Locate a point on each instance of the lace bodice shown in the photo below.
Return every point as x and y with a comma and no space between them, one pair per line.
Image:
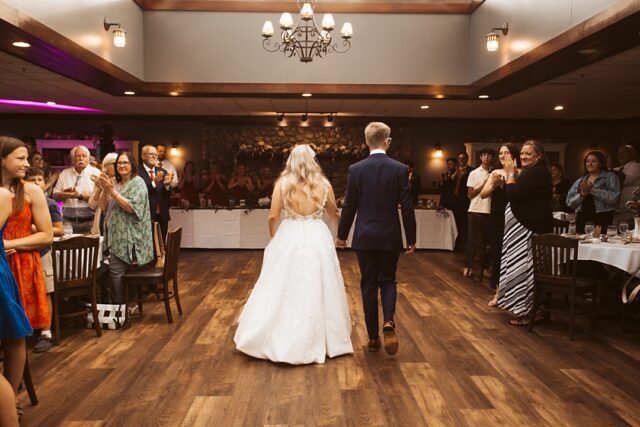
291,214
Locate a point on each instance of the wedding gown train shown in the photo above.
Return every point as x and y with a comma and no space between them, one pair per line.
297,312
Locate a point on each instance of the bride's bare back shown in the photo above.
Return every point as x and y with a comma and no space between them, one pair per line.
302,205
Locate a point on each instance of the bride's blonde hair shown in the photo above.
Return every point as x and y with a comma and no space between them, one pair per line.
302,173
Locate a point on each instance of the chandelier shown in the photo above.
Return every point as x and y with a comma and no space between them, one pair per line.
305,39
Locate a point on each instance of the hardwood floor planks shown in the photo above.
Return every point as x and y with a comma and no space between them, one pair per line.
460,363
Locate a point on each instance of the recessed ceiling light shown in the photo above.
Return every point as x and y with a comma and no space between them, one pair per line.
587,51
21,44
306,95
129,92
439,96
173,93
483,96
424,107
558,108
51,103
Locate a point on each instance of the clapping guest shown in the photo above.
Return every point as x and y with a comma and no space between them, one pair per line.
595,195
528,212
240,184
447,184
188,185
129,228
265,182
158,182
74,188
561,186
216,189
495,188
109,168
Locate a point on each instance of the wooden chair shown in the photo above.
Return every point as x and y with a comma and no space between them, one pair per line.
560,226
75,262
555,263
159,277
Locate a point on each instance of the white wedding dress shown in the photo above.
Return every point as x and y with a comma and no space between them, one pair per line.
297,312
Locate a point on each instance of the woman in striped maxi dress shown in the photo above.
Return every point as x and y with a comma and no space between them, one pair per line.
528,212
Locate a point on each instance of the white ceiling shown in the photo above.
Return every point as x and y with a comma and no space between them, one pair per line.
609,89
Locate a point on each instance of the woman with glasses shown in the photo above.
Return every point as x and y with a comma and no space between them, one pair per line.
129,236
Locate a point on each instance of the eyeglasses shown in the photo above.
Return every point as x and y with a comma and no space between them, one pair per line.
152,155
123,163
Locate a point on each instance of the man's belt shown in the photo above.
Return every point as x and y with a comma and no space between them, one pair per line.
78,219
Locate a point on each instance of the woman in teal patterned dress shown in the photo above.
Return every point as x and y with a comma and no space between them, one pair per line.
129,236
14,325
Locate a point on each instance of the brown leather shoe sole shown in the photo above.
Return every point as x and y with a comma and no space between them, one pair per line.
390,340
374,345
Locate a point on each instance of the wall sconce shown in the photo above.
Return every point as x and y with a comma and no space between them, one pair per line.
304,117
438,153
119,34
330,118
493,42
174,149
280,117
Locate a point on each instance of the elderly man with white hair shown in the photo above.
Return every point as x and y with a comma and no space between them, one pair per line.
74,187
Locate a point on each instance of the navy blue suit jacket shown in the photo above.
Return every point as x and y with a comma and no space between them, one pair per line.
158,196
375,187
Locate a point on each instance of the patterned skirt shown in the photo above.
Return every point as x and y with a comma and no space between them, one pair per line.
515,289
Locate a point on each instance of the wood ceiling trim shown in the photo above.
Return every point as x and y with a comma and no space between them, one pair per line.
55,52
612,31
275,90
328,6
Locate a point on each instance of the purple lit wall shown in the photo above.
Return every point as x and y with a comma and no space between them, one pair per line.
45,106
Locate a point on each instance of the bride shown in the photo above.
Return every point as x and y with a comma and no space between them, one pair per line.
297,312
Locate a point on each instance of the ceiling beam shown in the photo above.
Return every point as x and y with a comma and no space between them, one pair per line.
399,7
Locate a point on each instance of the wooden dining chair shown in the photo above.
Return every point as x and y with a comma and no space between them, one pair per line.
555,263
159,278
560,226
75,262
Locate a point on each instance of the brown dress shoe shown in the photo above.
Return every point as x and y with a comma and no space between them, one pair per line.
390,339
374,345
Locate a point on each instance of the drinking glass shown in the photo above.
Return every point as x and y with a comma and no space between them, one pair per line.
232,203
588,228
624,227
612,231
572,228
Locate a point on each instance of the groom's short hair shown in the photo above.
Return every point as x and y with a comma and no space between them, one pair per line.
376,133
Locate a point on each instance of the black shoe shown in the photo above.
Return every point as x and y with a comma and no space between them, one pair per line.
44,343
374,345
390,339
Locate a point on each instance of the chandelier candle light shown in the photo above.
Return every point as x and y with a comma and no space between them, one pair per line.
305,39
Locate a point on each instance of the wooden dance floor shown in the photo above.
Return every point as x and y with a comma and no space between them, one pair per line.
459,364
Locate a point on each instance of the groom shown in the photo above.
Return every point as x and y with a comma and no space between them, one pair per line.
375,187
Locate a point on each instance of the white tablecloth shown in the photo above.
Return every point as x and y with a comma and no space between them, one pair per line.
240,229
624,257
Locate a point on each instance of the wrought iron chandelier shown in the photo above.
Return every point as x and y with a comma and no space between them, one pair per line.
305,39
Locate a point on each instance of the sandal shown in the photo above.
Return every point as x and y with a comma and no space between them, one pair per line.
519,321
493,302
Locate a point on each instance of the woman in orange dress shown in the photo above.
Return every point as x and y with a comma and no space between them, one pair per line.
29,207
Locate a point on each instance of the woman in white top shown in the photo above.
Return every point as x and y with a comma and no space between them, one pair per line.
297,312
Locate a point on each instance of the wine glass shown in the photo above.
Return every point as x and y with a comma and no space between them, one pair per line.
624,227
612,232
588,228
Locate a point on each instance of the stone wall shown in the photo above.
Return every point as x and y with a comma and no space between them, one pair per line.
256,146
